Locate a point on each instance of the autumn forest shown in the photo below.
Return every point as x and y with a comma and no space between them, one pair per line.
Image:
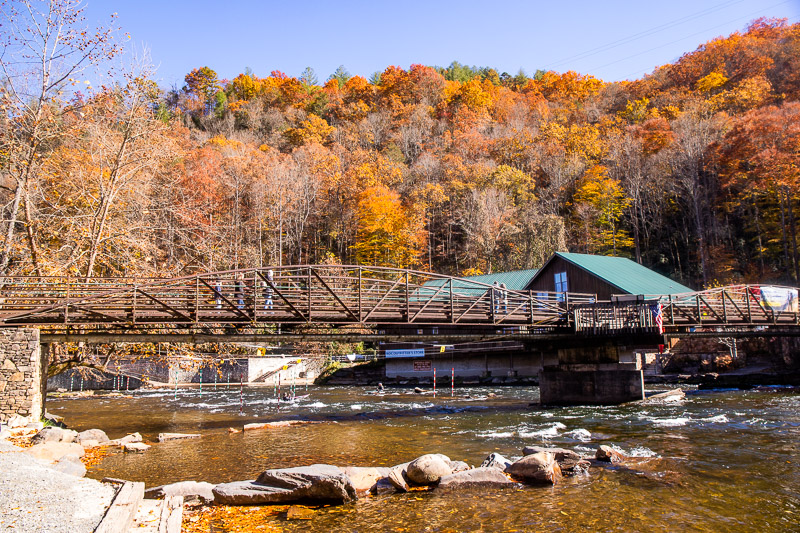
693,170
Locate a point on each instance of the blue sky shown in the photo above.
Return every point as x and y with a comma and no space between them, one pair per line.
611,39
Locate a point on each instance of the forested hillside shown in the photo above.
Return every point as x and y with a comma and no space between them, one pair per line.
692,170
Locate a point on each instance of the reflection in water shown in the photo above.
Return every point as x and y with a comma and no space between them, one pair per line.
716,461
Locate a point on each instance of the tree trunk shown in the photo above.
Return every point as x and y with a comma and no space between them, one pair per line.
793,230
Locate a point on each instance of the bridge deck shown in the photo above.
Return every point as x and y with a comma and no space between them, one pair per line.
372,296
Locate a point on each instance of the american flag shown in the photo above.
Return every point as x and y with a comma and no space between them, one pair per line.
658,314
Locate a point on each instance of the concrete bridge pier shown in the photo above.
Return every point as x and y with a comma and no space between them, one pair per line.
591,375
23,373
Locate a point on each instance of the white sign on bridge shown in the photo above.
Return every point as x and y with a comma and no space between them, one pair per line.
414,352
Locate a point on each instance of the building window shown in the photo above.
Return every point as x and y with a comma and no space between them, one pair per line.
561,282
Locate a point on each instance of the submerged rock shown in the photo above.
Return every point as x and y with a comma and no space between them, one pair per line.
295,512
495,460
483,477
164,437
536,468
315,483
609,455
429,469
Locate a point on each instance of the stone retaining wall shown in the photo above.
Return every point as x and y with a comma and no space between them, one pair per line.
20,373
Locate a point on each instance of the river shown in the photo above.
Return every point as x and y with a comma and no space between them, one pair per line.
714,461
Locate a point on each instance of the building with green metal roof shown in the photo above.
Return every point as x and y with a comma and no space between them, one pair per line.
602,275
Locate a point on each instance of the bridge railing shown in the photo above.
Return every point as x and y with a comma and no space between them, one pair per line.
615,317
733,304
327,294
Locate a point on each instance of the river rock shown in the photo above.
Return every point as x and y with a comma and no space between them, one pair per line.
92,434
457,466
164,437
127,439
428,469
608,454
484,477
70,464
53,451
315,483
49,434
364,478
383,487
190,490
54,420
398,476
495,460
560,454
536,468
136,447
18,421
296,512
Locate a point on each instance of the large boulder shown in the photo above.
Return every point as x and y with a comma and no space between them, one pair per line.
53,451
483,477
569,461
536,468
315,483
54,434
560,454
190,490
364,478
608,454
429,469
70,464
92,434
495,460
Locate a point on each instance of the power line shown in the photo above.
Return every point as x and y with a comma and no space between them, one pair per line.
645,33
686,37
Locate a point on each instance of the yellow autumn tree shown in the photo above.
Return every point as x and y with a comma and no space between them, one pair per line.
599,203
388,233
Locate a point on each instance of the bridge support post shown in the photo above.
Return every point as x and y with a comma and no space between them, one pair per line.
22,374
605,375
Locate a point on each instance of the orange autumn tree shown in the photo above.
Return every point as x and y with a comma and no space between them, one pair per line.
389,234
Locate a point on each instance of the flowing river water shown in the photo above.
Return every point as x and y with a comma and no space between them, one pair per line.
714,461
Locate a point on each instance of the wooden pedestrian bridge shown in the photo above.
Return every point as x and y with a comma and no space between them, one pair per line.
327,297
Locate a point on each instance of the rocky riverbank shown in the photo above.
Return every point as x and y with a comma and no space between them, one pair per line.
55,453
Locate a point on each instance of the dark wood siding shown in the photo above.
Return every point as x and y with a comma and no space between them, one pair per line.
578,280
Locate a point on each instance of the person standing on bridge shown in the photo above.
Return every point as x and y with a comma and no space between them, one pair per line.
495,297
504,297
218,292
238,288
268,292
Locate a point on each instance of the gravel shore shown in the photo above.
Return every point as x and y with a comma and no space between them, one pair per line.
36,498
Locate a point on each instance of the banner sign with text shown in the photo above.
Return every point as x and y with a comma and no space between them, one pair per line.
414,352
779,299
